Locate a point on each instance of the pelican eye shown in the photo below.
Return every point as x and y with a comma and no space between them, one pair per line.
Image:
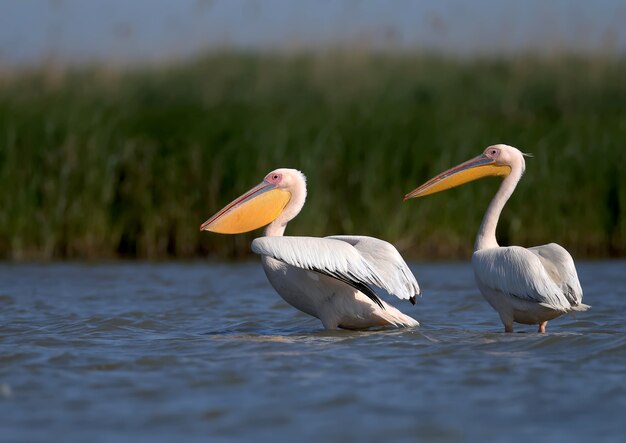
275,178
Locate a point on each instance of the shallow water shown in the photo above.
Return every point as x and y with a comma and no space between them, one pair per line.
208,352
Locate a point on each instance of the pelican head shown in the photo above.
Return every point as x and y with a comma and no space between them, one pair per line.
262,204
496,160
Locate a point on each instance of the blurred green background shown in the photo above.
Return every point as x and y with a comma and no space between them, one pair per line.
101,161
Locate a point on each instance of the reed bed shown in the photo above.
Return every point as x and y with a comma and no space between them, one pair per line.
102,162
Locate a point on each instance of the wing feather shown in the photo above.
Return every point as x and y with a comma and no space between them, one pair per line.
518,272
362,262
389,266
561,269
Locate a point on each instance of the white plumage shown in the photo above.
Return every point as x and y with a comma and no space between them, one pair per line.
524,285
355,260
544,275
332,278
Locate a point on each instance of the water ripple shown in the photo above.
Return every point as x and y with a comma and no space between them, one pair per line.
137,352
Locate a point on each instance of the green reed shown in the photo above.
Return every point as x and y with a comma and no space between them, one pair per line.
100,162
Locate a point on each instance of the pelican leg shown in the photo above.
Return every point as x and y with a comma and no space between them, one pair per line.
542,327
330,324
507,321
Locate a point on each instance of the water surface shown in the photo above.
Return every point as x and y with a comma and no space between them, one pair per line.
208,352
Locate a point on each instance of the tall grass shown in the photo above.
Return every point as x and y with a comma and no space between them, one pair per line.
104,163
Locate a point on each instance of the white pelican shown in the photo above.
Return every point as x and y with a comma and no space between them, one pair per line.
330,278
529,286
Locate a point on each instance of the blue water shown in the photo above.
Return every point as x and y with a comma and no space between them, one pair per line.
208,352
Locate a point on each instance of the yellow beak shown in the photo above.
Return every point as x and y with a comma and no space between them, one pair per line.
257,207
478,167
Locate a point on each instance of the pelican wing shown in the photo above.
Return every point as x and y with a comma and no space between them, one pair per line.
395,276
353,260
520,273
560,267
